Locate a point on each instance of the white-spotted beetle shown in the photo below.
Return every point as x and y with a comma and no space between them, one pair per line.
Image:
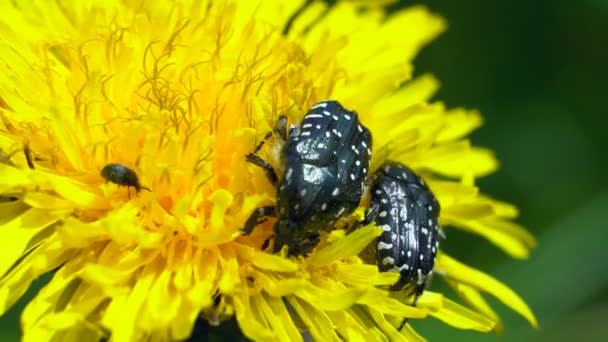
408,212
326,160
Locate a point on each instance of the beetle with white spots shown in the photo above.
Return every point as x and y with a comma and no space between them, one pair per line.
326,157
408,213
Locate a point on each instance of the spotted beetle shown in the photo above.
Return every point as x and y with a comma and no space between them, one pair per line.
408,212
325,162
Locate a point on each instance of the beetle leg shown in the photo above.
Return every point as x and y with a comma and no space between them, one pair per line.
268,170
253,220
281,127
371,213
419,290
267,242
261,143
306,246
294,130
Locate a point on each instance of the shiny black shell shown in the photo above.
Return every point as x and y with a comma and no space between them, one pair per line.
121,175
326,163
408,212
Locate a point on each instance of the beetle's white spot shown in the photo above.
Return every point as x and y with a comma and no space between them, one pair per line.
421,257
323,206
424,231
318,126
364,144
404,267
306,133
335,192
360,128
387,169
288,174
393,237
357,163
335,117
388,261
326,113
420,277
369,152
303,193
352,176
307,125
343,161
297,206
430,208
364,170
341,211
382,214
320,104
383,245
335,131
378,192
409,254
327,134
313,116
321,145
434,250
347,117
384,200
386,227
404,175
430,222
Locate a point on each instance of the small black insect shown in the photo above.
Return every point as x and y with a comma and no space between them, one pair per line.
122,175
326,160
408,212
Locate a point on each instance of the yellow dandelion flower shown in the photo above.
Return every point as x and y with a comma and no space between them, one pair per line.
167,97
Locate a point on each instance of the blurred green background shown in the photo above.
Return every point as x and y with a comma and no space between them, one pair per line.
538,71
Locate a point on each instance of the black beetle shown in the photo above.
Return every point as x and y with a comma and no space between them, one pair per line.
122,175
325,161
408,212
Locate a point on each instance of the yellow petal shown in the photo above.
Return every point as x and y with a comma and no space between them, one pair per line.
508,236
21,231
361,274
457,159
454,314
316,321
382,303
230,277
457,271
270,262
277,317
44,258
475,300
248,322
413,92
352,244
459,123
388,328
